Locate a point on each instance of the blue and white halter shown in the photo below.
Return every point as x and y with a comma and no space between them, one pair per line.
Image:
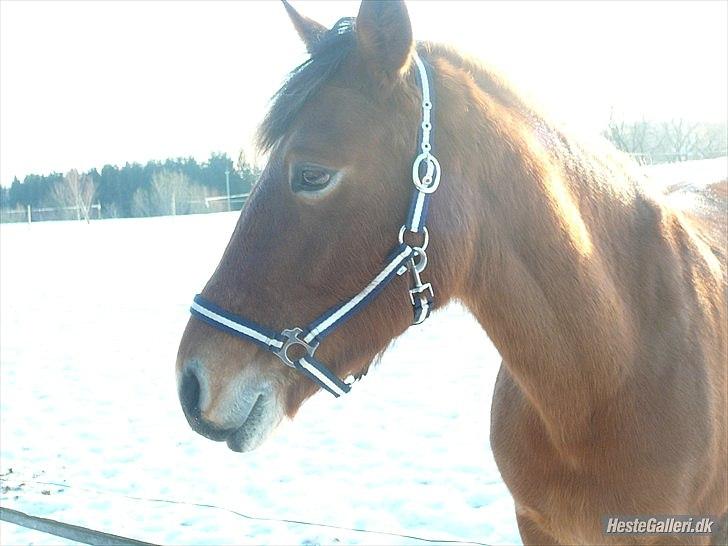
403,258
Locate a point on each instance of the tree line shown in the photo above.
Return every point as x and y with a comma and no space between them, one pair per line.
173,186
184,185
668,141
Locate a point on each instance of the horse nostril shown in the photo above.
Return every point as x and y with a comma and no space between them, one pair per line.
189,394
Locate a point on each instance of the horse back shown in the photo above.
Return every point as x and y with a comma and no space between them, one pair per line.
706,208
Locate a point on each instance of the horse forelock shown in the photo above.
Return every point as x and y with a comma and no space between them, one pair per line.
305,80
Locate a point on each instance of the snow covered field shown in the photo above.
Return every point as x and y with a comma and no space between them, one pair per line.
91,316
91,432
696,173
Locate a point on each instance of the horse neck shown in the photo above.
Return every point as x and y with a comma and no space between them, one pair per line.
540,278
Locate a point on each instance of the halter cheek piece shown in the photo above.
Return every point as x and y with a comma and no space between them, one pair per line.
403,258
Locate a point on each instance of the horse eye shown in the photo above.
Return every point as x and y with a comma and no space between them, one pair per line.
311,179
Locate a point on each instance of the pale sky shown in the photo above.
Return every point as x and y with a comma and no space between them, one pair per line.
83,84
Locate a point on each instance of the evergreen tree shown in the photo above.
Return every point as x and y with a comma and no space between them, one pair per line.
117,186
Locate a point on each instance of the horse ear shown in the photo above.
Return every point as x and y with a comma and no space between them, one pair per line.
309,30
384,35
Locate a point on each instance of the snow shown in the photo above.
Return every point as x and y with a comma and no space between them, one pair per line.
697,173
680,180
90,319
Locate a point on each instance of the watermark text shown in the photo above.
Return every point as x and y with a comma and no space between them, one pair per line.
658,525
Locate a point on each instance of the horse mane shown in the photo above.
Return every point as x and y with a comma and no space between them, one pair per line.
484,76
576,154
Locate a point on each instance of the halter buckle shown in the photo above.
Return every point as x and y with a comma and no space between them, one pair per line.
293,337
417,290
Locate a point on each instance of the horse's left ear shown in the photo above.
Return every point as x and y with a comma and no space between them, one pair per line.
309,30
384,35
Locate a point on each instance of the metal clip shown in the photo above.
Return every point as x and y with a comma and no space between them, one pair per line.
418,287
292,336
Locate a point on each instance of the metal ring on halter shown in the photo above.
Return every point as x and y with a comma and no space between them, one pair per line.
424,243
422,264
427,184
292,339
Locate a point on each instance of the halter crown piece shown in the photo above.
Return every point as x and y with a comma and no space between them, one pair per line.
403,258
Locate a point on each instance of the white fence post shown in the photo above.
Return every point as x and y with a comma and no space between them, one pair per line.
30,219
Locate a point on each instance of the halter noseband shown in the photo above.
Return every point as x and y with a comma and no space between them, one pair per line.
402,258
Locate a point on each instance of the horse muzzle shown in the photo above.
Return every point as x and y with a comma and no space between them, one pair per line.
242,413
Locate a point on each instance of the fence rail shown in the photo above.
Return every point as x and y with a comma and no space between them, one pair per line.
29,214
242,197
95,537
80,534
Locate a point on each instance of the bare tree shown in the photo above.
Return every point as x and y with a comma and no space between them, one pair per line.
245,170
241,165
170,193
712,140
681,138
677,139
76,192
635,138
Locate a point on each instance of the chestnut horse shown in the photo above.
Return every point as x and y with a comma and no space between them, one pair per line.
607,307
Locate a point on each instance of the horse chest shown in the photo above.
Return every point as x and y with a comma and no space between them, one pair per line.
542,490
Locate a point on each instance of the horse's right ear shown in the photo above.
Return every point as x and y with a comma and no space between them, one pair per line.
384,35
309,30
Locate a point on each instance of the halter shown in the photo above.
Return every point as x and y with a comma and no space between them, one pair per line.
402,258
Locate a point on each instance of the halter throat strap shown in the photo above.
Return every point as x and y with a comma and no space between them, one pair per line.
402,259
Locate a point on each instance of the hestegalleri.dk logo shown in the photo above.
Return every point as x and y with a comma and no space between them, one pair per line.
658,525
